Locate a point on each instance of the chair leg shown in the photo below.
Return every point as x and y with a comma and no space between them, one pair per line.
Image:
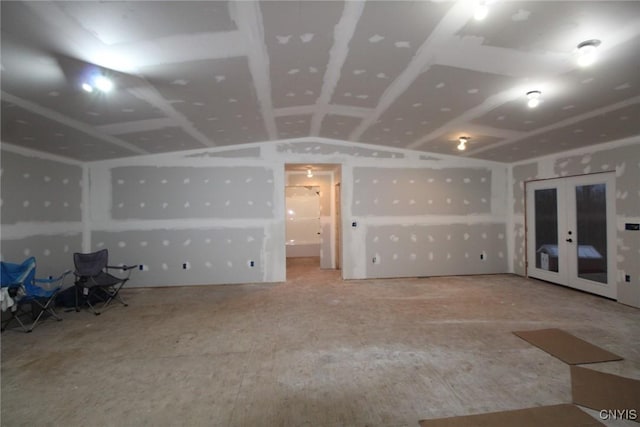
46,307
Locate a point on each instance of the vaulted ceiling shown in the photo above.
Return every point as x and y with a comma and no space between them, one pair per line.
403,74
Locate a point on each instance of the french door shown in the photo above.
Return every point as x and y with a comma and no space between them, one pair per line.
571,232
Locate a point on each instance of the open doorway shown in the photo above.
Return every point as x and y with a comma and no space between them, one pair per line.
311,214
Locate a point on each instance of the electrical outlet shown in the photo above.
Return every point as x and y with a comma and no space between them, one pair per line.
627,278
251,264
374,260
354,224
186,265
482,256
141,267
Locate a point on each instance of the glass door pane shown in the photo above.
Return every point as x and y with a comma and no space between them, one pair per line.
546,226
591,221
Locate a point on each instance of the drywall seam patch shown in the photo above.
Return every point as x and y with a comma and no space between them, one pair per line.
560,124
456,18
343,32
249,20
72,123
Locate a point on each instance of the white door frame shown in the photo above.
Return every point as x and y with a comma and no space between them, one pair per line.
567,222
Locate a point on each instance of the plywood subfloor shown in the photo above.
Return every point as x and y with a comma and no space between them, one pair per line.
313,351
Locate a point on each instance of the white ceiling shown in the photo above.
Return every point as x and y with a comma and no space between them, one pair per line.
414,74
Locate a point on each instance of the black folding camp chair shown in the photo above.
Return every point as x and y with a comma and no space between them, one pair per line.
94,284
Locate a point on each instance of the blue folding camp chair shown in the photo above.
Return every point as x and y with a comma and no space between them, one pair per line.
21,288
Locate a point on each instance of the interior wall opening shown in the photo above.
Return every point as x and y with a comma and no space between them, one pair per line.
312,219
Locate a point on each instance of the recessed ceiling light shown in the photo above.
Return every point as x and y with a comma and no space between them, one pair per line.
463,143
103,84
587,52
481,11
97,82
534,98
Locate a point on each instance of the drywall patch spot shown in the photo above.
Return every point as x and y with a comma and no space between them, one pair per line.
376,38
623,86
121,244
144,243
46,252
306,37
520,15
165,266
402,44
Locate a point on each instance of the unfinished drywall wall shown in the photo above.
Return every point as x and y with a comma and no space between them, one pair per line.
190,256
53,252
435,250
316,148
41,209
170,192
421,191
623,158
217,215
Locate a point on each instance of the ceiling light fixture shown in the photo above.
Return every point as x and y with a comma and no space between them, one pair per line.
534,98
99,82
463,143
309,173
587,52
103,84
481,11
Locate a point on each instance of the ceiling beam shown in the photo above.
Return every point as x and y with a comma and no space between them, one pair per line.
456,18
342,35
489,104
68,121
136,126
558,125
249,19
152,96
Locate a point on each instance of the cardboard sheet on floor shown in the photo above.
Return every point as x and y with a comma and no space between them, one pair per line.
564,415
599,390
566,347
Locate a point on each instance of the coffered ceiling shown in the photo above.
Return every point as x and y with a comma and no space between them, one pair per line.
403,74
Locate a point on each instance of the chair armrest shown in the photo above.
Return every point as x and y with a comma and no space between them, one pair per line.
123,267
53,279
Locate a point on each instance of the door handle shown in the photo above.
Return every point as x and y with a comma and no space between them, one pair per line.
570,240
